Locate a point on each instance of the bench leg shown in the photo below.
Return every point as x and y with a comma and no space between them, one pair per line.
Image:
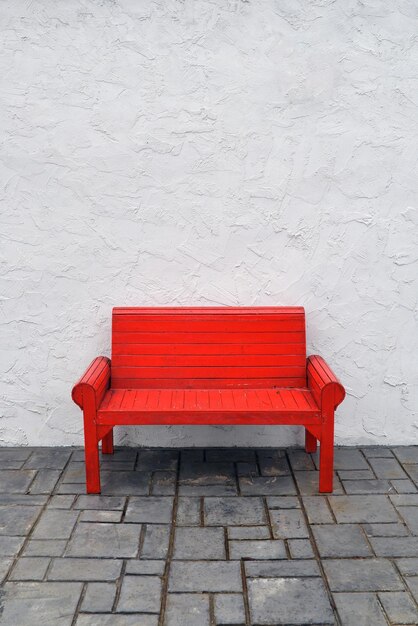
107,443
91,449
310,441
326,460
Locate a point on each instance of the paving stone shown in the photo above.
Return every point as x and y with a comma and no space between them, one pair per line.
48,458
377,452
399,607
100,516
125,483
52,603
207,490
247,469
366,474
367,486
404,486
207,474
70,488
199,543
362,575
5,565
104,540
308,483
413,472
413,586
15,481
267,485
317,510
10,464
188,512
229,610
74,473
271,466
192,455
359,609
362,509
15,454
406,454
345,459
18,520
288,524
163,483
395,546
234,511
99,597
385,530
205,576
190,609
405,500
156,541
45,481
283,502
248,532
17,499
289,601
157,460
232,455
387,468
45,547
102,619
140,594
30,568
282,569
84,569
150,510
55,524
345,540
61,502
300,549
410,516
10,546
408,566
104,503
300,460
147,568
246,549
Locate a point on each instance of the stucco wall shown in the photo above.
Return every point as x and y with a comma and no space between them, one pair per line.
209,152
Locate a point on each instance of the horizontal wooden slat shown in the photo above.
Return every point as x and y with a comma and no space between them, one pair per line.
208,372
218,310
201,360
219,337
136,323
208,349
207,383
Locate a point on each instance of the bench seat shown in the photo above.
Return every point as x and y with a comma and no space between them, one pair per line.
208,406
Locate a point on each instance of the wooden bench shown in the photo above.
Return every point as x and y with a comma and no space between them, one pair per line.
223,365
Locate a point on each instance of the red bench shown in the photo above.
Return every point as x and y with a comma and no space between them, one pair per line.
223,365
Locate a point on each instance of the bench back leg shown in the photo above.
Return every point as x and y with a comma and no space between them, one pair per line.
310,441
107,443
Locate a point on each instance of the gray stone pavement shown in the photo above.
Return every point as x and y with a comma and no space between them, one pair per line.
210,537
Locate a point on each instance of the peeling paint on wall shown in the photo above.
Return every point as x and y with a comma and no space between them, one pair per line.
205,153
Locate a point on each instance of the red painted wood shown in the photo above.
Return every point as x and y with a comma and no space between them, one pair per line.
211,365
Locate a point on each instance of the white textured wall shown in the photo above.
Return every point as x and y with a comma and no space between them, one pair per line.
209,152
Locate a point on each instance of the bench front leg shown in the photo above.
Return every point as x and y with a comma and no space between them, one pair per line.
328,393
88,393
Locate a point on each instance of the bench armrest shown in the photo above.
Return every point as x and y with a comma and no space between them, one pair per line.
95,380
321,378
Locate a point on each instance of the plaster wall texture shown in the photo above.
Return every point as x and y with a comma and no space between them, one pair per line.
209,153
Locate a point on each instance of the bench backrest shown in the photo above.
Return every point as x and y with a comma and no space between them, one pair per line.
211,347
